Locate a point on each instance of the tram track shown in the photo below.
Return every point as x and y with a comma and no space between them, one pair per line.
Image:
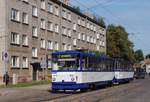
108,94
101,94
55,98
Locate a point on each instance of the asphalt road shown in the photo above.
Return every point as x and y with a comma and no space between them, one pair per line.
136,91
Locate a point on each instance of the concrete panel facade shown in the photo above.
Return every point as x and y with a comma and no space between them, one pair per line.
7,26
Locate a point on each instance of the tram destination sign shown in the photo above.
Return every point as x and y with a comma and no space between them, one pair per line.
65,56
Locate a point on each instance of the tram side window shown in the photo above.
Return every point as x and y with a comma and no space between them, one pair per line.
109,65
91,63
112,65
126,66
87,63
78,63
96,64
84,63
103,66
118,65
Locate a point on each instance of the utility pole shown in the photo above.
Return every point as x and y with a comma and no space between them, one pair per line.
5,55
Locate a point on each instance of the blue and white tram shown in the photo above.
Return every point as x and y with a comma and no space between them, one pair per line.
123,71
73,70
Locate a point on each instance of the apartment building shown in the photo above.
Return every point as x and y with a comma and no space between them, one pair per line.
30,30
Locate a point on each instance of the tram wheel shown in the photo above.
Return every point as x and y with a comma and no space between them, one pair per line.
110,84
54,90
83,90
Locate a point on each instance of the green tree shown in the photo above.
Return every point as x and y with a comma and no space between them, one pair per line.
77,8
118,43
139,56
100,20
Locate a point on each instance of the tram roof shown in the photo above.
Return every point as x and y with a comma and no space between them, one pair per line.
103,56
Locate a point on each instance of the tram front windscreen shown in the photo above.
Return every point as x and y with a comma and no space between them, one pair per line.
65,62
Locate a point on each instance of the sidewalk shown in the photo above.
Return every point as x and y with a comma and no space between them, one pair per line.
4,92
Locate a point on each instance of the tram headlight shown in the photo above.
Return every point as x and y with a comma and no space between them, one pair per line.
53,79
72,79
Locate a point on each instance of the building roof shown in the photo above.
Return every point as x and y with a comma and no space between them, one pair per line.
77,12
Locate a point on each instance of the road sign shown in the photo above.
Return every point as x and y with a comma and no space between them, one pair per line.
5,56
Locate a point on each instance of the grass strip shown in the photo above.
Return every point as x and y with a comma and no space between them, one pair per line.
26,84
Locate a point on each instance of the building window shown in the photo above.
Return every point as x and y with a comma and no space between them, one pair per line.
34,11
69,32
56,46
97,47
91,26
25,62
34,31
69,16
50,45
88,25
42,23
91,39
43,44
25,40
74,26
79,20
43,4
56,28
56,11
34,52
15,15
94,40
50,8
88,39
25,18
14,38
25,1
100,43
79,35
98,36
50,26
94,28
74,42
64,46
83,37
69,47
64,30
104,31
64,15
15,61
103,44
83,22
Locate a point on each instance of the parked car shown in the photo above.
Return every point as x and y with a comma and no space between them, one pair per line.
140,73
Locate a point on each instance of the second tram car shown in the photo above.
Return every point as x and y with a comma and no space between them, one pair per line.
73,70
123,71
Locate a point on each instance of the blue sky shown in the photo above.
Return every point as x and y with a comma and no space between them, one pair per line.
134,15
